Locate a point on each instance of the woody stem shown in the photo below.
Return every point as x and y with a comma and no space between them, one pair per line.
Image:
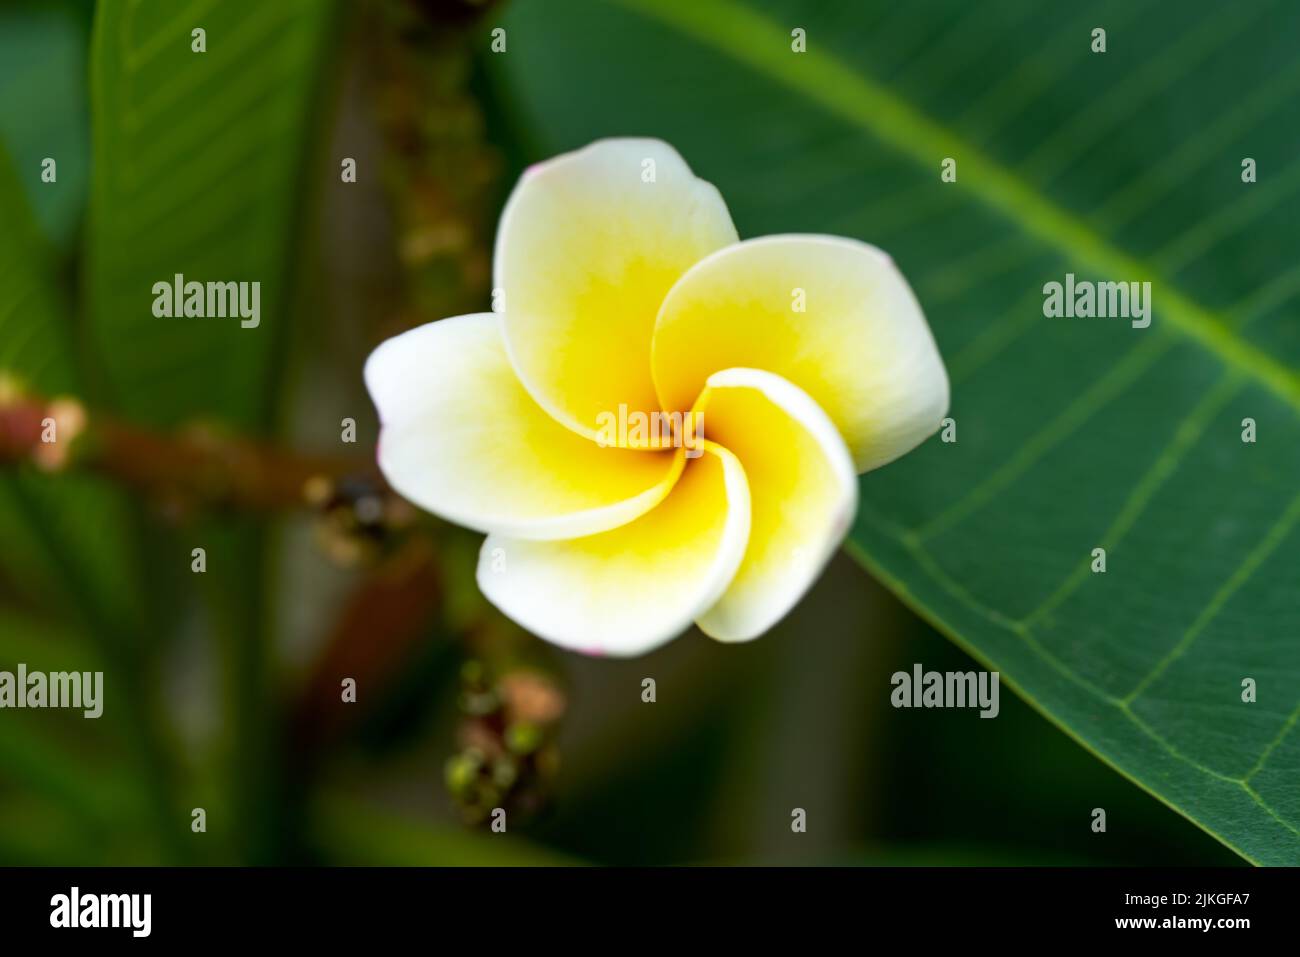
196,464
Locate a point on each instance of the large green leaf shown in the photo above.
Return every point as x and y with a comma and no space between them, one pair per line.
1072,434
200,159
203,163
67,542
65,537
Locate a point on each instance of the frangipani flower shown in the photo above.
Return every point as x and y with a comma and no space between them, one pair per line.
806,358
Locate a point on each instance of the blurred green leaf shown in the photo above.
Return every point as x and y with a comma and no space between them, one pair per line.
1122,166
65,536
49,765
202,165
201,160
358,833
43,106
43,645
53,755
68,546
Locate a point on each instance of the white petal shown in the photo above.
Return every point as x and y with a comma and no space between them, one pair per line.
586,250
860,346
629,590
803,494
464,440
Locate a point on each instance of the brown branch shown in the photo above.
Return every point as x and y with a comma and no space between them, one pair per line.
196,466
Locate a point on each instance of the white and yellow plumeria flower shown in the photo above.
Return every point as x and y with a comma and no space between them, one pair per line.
806,358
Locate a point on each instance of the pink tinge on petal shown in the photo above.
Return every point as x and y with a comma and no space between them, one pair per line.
593,652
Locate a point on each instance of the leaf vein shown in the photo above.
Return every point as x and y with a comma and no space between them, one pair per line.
748,36
1273,536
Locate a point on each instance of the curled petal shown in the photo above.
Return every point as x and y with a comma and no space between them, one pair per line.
631,589
463,439
589,244
803,494
833,316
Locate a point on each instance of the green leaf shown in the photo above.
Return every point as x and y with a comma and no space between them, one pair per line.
43,107
66,537
1071,434
200,159
359,833
68,542
201,166
73,764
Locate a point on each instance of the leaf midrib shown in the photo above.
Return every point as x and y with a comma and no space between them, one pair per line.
751,38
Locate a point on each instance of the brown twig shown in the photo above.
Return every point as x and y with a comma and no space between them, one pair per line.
197,466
